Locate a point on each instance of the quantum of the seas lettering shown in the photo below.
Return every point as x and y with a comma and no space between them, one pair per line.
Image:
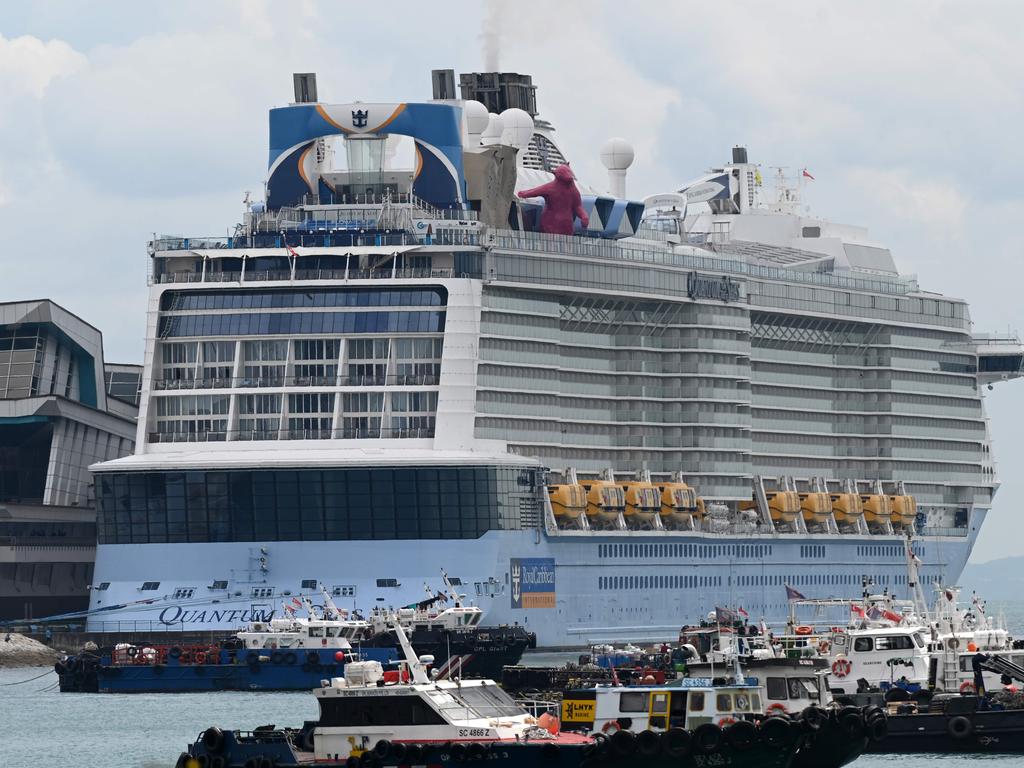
705,287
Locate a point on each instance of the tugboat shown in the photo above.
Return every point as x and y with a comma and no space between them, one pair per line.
969,722
368,721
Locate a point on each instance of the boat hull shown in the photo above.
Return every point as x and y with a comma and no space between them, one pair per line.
989,732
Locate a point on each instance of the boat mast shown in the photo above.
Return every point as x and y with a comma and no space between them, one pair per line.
417,668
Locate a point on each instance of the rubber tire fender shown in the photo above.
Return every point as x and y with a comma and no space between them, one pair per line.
777,732
675,742
290,657
352,762
896,694
598,747
878,729
382,748
960,727
623,743
399,751
459,752
813,717
707,738
213,740
414,754
741,735
852,725
276,657
217,761
648,743
476,751
313,659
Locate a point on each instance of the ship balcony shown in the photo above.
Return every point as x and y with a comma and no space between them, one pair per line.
1000,357
220,436
277,382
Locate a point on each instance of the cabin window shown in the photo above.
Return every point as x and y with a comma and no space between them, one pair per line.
633,702
332,631
893,643
382,710
918,640
309,584
723,702
183,593
316,631
742,702
862,644
776,688
755,702
387,582
696,701
149,586
219,585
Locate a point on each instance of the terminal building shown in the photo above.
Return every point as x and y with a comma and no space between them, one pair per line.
62,408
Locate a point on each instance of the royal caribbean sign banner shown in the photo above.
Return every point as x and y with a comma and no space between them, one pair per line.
533,582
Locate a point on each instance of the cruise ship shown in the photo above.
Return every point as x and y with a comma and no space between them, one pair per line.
707,397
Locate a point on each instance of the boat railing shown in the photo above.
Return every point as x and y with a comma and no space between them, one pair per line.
538,707
255,382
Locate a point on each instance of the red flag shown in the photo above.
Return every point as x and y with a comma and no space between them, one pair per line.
856,610
747,615
807,175
298,603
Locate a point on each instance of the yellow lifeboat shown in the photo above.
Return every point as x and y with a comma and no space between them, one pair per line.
904,510
815,506
643,501
568,501
605,499
877,508
679,503
847,508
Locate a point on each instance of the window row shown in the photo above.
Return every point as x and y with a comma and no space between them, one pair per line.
684,550
304,297
314,505
280,323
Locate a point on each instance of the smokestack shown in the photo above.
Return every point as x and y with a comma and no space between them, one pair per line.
739,155
305,87
444,84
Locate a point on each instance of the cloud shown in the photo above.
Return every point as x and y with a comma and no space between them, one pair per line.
937,205
29,65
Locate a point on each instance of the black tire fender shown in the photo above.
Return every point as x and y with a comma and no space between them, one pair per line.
960,727
777,732
213,740
741,735
878,728
852,725
623,743
382,748
707,738
676,742
648,743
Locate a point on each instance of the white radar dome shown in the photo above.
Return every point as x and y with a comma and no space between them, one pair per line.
492,133
477,118
518,128
617,154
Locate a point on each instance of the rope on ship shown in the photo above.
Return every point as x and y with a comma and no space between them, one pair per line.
19,682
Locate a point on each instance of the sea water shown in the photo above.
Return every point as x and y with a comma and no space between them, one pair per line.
42,728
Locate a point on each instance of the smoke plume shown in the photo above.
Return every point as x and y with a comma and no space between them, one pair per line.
491,35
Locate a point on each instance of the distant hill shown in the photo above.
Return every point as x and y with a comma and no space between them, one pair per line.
1001,579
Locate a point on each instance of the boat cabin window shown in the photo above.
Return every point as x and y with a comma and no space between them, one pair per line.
723,702
777,688
316,631
893,643
918,640
356,711
742,702
863,644
634,701
696,701
333,631
802,688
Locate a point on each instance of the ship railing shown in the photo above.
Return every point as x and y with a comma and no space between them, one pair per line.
256,276
368,433
274,382
538,707
932,530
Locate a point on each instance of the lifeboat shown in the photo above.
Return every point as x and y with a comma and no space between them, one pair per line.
815,506
783,506
605,500
877,508
847,508
643,502
904,510
680,506
568,502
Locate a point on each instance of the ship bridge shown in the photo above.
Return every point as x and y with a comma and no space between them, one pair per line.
1000,357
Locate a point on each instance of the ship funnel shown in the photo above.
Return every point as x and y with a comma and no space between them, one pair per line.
739,155
305,87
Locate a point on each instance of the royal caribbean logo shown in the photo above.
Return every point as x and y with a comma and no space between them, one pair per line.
533,582
359,117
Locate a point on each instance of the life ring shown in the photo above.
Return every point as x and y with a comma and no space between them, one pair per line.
611,727
824,647
953,644
803,629
841,667
724,721
966,688
776,709
200,657
132,652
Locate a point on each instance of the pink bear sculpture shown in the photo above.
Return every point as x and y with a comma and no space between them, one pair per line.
562,203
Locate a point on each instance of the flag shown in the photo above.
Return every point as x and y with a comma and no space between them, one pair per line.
806,175
296,602
792,594
757,177
726,616
745,614
856,610
895,618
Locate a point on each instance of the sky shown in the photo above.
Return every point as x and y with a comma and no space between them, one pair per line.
121,119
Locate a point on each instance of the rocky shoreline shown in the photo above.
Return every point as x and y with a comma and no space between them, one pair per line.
20,651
